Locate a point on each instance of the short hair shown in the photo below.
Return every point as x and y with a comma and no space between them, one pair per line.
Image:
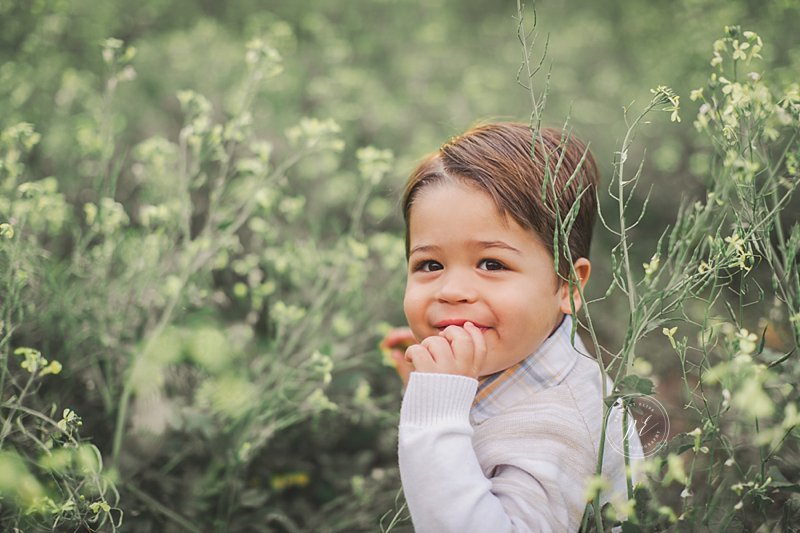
534,179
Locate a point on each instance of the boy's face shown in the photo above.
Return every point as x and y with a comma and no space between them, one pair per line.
468,262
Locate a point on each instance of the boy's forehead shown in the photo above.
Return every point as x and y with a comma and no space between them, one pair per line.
454,211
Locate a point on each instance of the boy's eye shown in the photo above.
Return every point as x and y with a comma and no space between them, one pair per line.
428,266
491,264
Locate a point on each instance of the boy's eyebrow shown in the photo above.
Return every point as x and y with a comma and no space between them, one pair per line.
481,244
498,244
423,248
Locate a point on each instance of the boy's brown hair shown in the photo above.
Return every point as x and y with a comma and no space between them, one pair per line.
505,161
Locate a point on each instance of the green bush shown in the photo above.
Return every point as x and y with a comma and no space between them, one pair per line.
197,323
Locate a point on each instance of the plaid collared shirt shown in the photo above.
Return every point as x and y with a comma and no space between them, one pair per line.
545,368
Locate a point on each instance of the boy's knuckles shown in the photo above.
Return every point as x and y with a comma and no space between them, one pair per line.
438,345
415,352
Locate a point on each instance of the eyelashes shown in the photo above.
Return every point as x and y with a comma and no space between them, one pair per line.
430,265
492,264
426,265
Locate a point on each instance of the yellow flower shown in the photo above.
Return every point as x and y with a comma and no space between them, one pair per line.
670,334
675,470
291,479
7,231
595,485
651,267
747,341
53,368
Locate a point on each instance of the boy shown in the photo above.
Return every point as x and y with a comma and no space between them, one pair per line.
502,414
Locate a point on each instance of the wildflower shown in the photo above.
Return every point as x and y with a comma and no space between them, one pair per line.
291,207
312,133
696,94
726,398
675,470
668,513
704,267
642,367
240,290
374,164
53,368
33,359
322,365
244,451
752,399
791,418
342,325
747,341
358,484
261,54
670,334
110,46
595,485
666,95
287,314
686,493
319,402
98,506
290,479
741,248
69,420
359,249
6,231
739,50
651,267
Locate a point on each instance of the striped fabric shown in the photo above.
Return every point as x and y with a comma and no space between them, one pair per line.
545,368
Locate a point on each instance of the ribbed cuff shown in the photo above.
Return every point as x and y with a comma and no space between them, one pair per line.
435,398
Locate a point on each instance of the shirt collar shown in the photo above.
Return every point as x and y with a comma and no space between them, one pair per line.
545,368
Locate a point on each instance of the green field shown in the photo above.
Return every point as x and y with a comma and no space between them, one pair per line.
201,247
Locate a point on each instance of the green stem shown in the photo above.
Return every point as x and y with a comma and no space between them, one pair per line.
598,518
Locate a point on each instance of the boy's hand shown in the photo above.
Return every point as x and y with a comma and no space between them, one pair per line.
393,346
456,350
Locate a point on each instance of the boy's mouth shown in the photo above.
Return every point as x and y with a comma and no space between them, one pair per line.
442,324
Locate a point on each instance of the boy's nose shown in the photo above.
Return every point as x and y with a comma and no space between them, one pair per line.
456,287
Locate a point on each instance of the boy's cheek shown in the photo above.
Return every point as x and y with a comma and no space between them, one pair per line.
414,313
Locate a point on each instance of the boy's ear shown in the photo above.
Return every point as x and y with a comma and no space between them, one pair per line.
582,270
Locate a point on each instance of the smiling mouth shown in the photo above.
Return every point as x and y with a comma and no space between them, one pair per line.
441,326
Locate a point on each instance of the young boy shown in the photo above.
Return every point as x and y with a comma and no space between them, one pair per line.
501,418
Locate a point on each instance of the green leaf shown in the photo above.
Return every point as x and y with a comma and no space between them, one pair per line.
633,384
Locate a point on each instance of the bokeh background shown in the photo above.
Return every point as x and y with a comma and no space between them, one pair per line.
227,371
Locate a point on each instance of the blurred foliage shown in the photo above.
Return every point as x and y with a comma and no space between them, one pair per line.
200,225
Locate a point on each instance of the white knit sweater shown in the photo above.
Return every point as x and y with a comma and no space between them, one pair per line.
524,468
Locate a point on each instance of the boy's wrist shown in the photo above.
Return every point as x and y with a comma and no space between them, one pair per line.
434,398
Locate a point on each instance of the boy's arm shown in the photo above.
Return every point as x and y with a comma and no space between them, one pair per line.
444,485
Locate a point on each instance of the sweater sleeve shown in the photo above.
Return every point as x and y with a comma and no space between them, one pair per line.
445,487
